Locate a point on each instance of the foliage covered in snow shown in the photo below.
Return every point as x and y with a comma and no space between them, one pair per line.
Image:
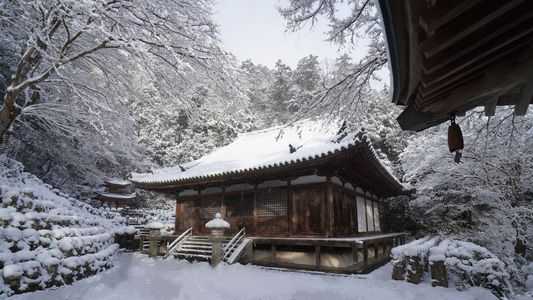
48,238
486,199
467,264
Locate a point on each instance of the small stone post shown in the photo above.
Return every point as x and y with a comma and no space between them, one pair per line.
415,269
154,230
439,276
217,226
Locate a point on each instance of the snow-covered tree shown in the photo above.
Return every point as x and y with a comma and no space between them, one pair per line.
342,96
63,38
306,80
281,92
258,80
485,199
80,66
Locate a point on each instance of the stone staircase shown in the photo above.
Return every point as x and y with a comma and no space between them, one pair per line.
196,248
199,248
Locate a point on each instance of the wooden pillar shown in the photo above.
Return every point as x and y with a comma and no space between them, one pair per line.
317,256
295,218
365,255
177,217
355,257
223,204
376,250
255,212
196,221
289,209
329,207
273,254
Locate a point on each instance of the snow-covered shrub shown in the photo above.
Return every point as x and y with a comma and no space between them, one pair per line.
466,264
48,238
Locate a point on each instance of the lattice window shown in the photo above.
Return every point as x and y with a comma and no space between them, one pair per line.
209,207
272,204
240,205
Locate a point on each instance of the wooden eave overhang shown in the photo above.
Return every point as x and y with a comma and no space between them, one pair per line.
357,164
109,197
449,56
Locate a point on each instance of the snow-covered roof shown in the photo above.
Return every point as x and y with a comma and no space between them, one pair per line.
263,149
117,196
117,181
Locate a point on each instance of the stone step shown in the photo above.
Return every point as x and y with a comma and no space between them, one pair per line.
186,246
188,242
201,251
193,257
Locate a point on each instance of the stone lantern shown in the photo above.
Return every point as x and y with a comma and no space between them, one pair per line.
154,229
217,226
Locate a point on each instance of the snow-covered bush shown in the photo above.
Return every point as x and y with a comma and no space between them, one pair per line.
48,238
465,264
468,265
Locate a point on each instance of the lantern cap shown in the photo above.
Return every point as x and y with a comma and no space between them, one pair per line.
217,223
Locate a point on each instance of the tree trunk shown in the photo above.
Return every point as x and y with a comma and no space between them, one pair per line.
8,113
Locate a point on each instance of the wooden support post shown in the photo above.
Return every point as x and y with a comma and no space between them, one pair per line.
376,250
178,216
317,256
365,255
273,258
223,207
355,257
289,209
256,194
329,207
490,106
524,99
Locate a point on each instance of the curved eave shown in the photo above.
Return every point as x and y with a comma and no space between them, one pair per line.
357,151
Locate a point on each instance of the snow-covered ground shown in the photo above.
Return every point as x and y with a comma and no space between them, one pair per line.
136,276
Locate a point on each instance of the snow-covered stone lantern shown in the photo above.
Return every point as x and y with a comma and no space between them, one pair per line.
154,229
217,226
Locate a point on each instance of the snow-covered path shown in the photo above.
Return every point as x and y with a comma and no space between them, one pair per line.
137,277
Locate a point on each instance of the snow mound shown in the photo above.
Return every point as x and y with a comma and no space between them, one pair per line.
46,237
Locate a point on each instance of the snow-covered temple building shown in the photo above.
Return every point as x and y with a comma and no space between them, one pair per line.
115,194
307,196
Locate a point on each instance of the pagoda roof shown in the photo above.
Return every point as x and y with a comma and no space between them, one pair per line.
117,182
115,196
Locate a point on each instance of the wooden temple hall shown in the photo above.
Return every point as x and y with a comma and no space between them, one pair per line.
301,196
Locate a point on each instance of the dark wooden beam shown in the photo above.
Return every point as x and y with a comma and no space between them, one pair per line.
490,106
329,208
525,98
478,17
443,12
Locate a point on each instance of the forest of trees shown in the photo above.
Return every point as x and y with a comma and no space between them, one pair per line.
94,88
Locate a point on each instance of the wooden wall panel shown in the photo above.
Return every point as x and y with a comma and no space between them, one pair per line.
239,212
309,210
272,208
187,215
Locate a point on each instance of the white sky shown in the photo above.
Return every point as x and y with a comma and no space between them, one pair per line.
254,29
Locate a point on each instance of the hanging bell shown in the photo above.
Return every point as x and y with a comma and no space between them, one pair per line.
455,137
455,140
